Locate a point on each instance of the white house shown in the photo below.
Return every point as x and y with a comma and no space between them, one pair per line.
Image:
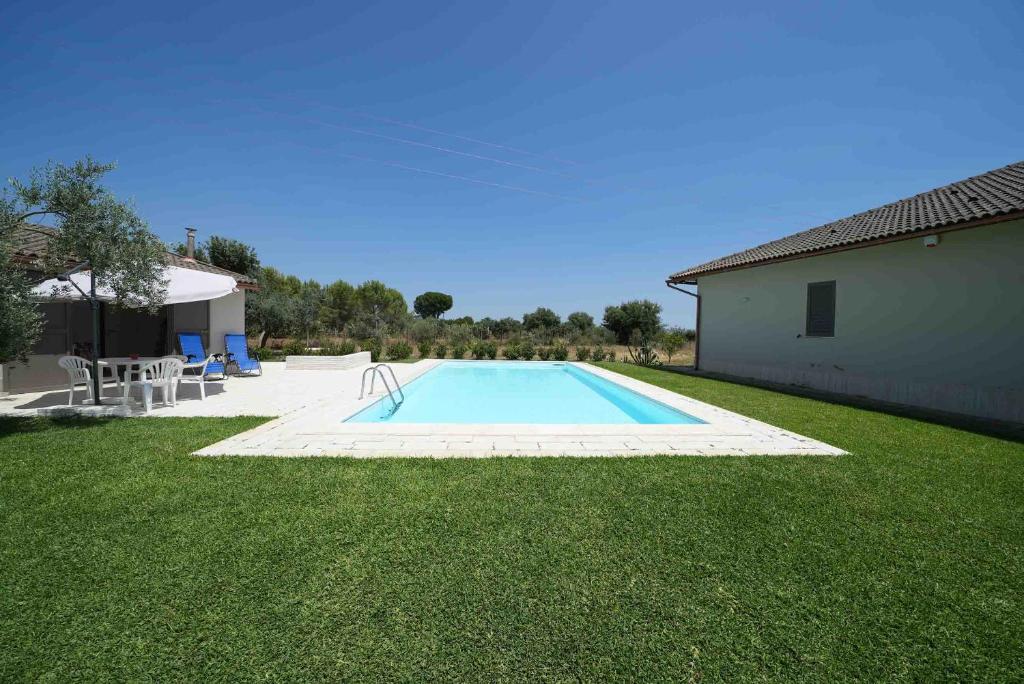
68,324
918,302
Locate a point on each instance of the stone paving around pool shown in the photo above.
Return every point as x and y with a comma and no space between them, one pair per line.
316,429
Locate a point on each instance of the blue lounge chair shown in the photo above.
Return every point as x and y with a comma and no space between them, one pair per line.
191,345
238,355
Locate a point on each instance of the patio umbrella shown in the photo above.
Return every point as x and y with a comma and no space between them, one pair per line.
183,285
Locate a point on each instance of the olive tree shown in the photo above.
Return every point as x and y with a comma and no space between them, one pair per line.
90,225
637,315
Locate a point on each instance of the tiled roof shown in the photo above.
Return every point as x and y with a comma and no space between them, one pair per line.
996,193
30,242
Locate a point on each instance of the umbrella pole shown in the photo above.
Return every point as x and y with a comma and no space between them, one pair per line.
95,303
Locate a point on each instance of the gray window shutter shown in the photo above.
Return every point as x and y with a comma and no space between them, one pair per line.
821,309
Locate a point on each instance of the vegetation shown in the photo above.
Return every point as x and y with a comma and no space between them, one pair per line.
126,559
90,224
398,351
638,316
225,253
432,304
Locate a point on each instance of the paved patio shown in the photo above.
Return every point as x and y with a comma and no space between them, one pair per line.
310,407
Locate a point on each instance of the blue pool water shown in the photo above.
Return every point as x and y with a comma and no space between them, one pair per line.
523,392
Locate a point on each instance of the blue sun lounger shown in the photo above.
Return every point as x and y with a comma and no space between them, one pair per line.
238,355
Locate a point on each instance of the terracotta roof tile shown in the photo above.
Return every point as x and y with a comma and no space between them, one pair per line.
30,242
991,194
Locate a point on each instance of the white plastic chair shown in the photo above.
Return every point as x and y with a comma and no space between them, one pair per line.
79,373
163,373
195,373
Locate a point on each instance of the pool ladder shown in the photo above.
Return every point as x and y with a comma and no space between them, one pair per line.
374,371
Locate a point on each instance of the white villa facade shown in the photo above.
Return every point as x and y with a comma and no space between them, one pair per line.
919,302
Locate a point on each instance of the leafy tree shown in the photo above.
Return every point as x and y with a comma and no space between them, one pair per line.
307,308
269,313
432,304
233,255
424,331
20,320
271,279
541,318
671,341
506,326
92,225
637,315
339,305
580,322
226,253
464,320
380,305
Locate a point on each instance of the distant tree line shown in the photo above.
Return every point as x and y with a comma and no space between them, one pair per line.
373,313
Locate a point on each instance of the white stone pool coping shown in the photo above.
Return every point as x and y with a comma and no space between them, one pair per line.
320,431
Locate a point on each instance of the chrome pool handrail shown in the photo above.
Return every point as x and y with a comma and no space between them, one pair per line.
374,372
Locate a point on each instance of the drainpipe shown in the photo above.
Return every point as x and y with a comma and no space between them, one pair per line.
696,341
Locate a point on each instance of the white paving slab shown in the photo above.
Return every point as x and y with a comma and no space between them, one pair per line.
316,428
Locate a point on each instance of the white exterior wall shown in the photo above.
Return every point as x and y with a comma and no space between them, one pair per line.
227,315
941,327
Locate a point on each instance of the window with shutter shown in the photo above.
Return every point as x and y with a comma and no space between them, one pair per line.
821,309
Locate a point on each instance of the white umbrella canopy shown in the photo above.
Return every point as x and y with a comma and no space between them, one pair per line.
183,285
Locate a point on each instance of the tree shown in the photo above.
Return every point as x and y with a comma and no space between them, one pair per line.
640,314
671,341
432,304
92,225
307,306
269,313
339,305
226,253
380,305
506,326
541,318
580,322
21,322
273,280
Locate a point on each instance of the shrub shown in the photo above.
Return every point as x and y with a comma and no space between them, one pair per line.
598,354
511,351
293,348
485,350
544,353
373,346
399,350
339,349
582,353
441,350
424,348
458,350
526,351
560,352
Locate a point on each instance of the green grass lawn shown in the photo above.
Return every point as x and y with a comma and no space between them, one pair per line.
124,558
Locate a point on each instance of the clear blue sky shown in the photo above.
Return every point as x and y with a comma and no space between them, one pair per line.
668,133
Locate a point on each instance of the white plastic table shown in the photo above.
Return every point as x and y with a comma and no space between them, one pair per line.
131,366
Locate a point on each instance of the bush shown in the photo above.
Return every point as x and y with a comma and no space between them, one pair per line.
264,354
560,352
424,348
598,354
582,353
441,351
544,353
526,351
373,346
485,350
339,349
294,348
399,350
458,350
511,351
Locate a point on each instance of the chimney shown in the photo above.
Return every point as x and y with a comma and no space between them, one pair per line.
190,243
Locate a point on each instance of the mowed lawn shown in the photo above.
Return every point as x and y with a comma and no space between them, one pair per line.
125,558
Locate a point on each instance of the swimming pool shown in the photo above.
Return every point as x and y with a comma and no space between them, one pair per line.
492,392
